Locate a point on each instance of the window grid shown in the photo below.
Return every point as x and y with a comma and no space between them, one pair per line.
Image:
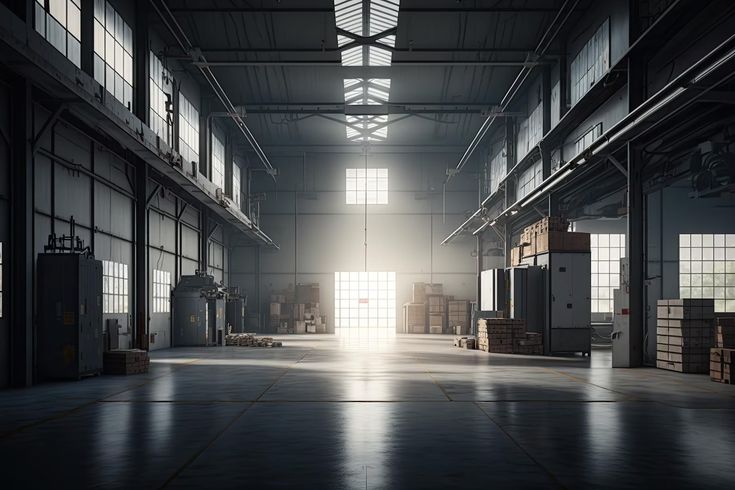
365,304
591,63
161,291
218,162
606,251
188,130
114,287
113,53
588,138
161,112
236,197
529,180
59,22
707,269
370,184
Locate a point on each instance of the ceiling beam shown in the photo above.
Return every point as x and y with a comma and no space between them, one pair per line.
374,110
395,64
324,50
330,10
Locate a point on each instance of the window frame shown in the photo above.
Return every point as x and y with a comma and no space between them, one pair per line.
115,288
363,189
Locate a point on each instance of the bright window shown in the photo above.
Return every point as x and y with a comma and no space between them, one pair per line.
365,304
588,138
114,287
161,291
188,130
236,177
367,186
591,63
161,93
59,21
707,269
218,162
113,53
607,250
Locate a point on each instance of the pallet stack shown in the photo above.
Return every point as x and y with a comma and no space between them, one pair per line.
530,344
722,356
684,334
126,361
250,340
498,335
458,316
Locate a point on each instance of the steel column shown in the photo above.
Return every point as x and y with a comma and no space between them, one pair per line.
636,253
141,256
21,235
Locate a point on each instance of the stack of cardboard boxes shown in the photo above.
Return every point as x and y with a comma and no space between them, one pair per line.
414,317
685,334
433,312
530,344
498,335
126,361
458,316
250,340
437,313
297,311
722,356
548,235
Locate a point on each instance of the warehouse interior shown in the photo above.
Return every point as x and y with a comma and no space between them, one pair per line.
367,243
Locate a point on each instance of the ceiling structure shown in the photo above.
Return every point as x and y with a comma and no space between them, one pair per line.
392,72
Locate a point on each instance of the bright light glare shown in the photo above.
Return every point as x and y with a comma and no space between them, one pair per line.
365,305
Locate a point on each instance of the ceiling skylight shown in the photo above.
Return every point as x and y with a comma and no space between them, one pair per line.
357,20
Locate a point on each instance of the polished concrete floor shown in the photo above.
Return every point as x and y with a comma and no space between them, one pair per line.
414,413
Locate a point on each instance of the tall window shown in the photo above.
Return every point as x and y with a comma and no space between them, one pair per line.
529,180
113,53
188,130
367,186
114,287
607,250
218,162
161,109
707,269
365,304
59,21
588,138
236,177
161,291
591,63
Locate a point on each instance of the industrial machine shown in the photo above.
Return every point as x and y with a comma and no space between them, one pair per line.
526,293
235,311
493,290
198,311
621,319
70,332
569,284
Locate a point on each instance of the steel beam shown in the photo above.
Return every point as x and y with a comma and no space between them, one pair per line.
636,253
330,10
141,231
338,63
22,248
373,110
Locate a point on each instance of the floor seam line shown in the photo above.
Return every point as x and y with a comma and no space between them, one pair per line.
519,446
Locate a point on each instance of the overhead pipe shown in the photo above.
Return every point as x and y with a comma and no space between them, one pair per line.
541,48
623,128
185,44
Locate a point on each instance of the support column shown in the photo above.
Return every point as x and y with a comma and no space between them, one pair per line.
636,253
140,338
203,240
141,96
21,236
546,123
87,28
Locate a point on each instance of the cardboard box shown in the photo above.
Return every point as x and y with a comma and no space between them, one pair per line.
275,309
419,292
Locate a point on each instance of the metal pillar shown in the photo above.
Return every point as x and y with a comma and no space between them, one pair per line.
480,266
636,253
203,240
546,124
141,97
87,28
140,338
21,235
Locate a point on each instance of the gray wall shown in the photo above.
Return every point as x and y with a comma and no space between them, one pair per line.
319,234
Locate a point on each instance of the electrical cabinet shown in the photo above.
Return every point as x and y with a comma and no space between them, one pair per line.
569,282
235,314
70,330
527,296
